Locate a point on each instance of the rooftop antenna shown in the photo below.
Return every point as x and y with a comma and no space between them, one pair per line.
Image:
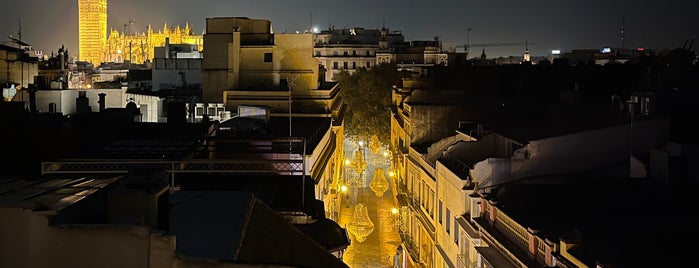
19,31
623,21
290,85
468,40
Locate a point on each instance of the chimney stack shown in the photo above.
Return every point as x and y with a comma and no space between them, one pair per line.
101,101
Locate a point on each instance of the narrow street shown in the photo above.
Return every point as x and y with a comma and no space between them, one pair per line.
380,245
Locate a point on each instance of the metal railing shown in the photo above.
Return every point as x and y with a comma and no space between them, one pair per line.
271,166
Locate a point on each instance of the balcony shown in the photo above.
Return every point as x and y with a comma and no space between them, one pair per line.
463,262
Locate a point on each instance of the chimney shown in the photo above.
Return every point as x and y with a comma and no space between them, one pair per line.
101,101
82,103
167,47
32,98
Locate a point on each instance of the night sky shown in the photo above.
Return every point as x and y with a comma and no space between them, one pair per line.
548,24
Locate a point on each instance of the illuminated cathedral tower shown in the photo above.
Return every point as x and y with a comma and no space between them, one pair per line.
92,27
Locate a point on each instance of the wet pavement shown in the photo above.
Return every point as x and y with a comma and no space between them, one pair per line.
380,246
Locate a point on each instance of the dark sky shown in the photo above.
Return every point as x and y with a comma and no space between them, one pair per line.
547,24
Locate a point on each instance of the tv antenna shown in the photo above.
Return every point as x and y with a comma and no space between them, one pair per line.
623,21
19,31
290,82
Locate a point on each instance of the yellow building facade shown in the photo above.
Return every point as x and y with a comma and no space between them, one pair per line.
139,48
92,29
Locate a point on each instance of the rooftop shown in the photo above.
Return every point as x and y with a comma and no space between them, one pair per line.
614,221
50,194
246,231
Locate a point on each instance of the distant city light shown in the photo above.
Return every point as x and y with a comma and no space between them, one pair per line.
316,30
556,52
343,188
640,49
606,50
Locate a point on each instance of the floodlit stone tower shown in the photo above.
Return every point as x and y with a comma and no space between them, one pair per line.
92,29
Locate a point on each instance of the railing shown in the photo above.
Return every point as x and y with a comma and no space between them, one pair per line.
410,246
285,167
513,230
540,249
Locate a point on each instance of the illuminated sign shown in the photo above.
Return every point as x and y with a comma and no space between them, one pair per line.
555,52
251,111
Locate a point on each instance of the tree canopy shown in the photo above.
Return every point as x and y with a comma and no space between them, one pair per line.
368,95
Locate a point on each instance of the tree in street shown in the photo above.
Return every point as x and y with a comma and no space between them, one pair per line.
368,95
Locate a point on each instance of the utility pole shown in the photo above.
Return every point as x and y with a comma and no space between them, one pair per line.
468,40
623,21
19,32
129,23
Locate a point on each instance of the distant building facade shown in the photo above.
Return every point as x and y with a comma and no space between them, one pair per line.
139,48
176,65
349,49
